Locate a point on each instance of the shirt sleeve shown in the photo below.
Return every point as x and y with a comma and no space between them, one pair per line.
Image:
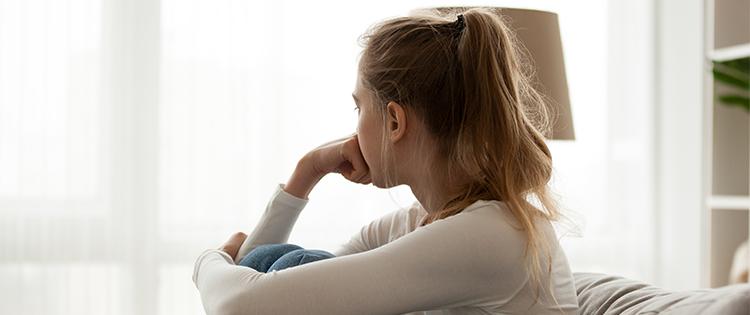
423,270
381,230
276,223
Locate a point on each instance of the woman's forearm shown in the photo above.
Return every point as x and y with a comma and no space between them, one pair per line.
303,179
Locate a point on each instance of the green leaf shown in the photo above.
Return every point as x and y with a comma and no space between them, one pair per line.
732,79
736,100
742,64
734,72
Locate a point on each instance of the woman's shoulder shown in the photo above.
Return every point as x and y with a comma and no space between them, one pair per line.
493,223
416,210
491,219
406,219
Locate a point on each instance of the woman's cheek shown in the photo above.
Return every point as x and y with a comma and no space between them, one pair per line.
367,152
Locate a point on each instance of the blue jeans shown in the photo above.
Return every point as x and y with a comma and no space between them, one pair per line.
270,257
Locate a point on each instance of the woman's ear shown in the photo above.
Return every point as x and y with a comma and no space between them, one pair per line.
396,121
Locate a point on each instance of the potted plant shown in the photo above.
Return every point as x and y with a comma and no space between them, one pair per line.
734,74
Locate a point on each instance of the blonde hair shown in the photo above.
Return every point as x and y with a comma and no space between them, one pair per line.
472,87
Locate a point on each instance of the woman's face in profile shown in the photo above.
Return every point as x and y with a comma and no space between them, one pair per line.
368,132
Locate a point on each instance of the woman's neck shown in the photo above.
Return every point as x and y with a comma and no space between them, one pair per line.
434,188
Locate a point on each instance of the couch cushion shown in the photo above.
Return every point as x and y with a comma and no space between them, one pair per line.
606,294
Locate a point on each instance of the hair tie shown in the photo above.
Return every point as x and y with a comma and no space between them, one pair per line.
460,22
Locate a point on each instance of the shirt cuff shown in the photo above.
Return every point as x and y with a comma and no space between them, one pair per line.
289,199
204,255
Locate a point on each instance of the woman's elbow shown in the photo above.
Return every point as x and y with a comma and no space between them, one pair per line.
229,305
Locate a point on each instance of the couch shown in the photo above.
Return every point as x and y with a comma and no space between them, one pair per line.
600,294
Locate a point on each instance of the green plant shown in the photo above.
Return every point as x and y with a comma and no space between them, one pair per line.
735,74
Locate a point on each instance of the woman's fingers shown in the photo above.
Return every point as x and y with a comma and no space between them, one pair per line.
342,156
354,156
367,180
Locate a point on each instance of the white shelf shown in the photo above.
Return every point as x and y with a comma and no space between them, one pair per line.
727,142
731,52
725,202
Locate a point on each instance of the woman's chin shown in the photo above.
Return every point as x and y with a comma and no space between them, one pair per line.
377,183
380,184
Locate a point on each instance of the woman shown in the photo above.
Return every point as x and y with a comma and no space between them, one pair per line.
447,108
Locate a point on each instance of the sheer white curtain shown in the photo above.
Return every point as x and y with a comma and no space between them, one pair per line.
135,134
605,177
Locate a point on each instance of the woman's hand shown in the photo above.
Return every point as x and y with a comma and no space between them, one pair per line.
232,246
341,156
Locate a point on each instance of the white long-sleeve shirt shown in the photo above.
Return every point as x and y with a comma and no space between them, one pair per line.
469,263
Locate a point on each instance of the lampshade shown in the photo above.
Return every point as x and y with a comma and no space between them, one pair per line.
539,32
